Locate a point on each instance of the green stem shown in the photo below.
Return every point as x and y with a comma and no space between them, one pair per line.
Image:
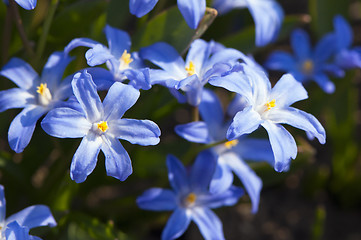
46,28
19,25
195,114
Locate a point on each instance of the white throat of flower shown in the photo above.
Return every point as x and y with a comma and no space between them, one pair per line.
100,127
190,200
191,69
125,60
264,109
44,96
308,67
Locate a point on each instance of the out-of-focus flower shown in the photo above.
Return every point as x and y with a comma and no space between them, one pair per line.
36,94
26,4
192,10
120,61
17,226
267,14
308,64
190,198
270,107
100,125
191,75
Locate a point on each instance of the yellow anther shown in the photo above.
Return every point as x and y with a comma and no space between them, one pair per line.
231,144
126,58
190,199
270,104
42,89
191,70
102,126
307,67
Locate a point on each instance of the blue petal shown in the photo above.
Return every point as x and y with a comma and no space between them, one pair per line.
343,32
54,69
288,91
325,49
33,216
211,110
141,7
194,132
234,82
79,42
14,231
244,122
15,98
268,16
119,99
117,160
193,87
283,145
66,123
85,157
282,61
192,11
249,179
139,79
324,82
85,92
198,53
22,127
21,73
301,45
299,119
224,6
208,223
166,57
2,204
222,178
163,78
102,78
176,225
346,59
238,104
157,199
142,132
27,4
97,55
118,41
261,85
218,199
202,171
225,55
177,174
255,150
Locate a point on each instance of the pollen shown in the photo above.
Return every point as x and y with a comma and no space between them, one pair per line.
42,89
191,70
307,67
270,104
126,58
190,199
102,126
231,144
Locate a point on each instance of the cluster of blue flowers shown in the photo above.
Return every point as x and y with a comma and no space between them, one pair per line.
72,108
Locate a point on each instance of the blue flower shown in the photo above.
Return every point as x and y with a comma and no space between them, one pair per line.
192,10
100,125
308,64
26,4
189,76
267,14
17,226
270,107
345,57
121,63
36,94
230,154
190,198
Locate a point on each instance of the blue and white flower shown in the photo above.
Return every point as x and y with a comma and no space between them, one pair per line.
36,94
190,198
100,124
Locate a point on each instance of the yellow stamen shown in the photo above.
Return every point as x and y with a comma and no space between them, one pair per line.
126,58
270,104
42,89
231,144
191,199
191,70
102,126
307,67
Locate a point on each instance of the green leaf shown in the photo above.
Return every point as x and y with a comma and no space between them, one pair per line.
322,13
170,27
